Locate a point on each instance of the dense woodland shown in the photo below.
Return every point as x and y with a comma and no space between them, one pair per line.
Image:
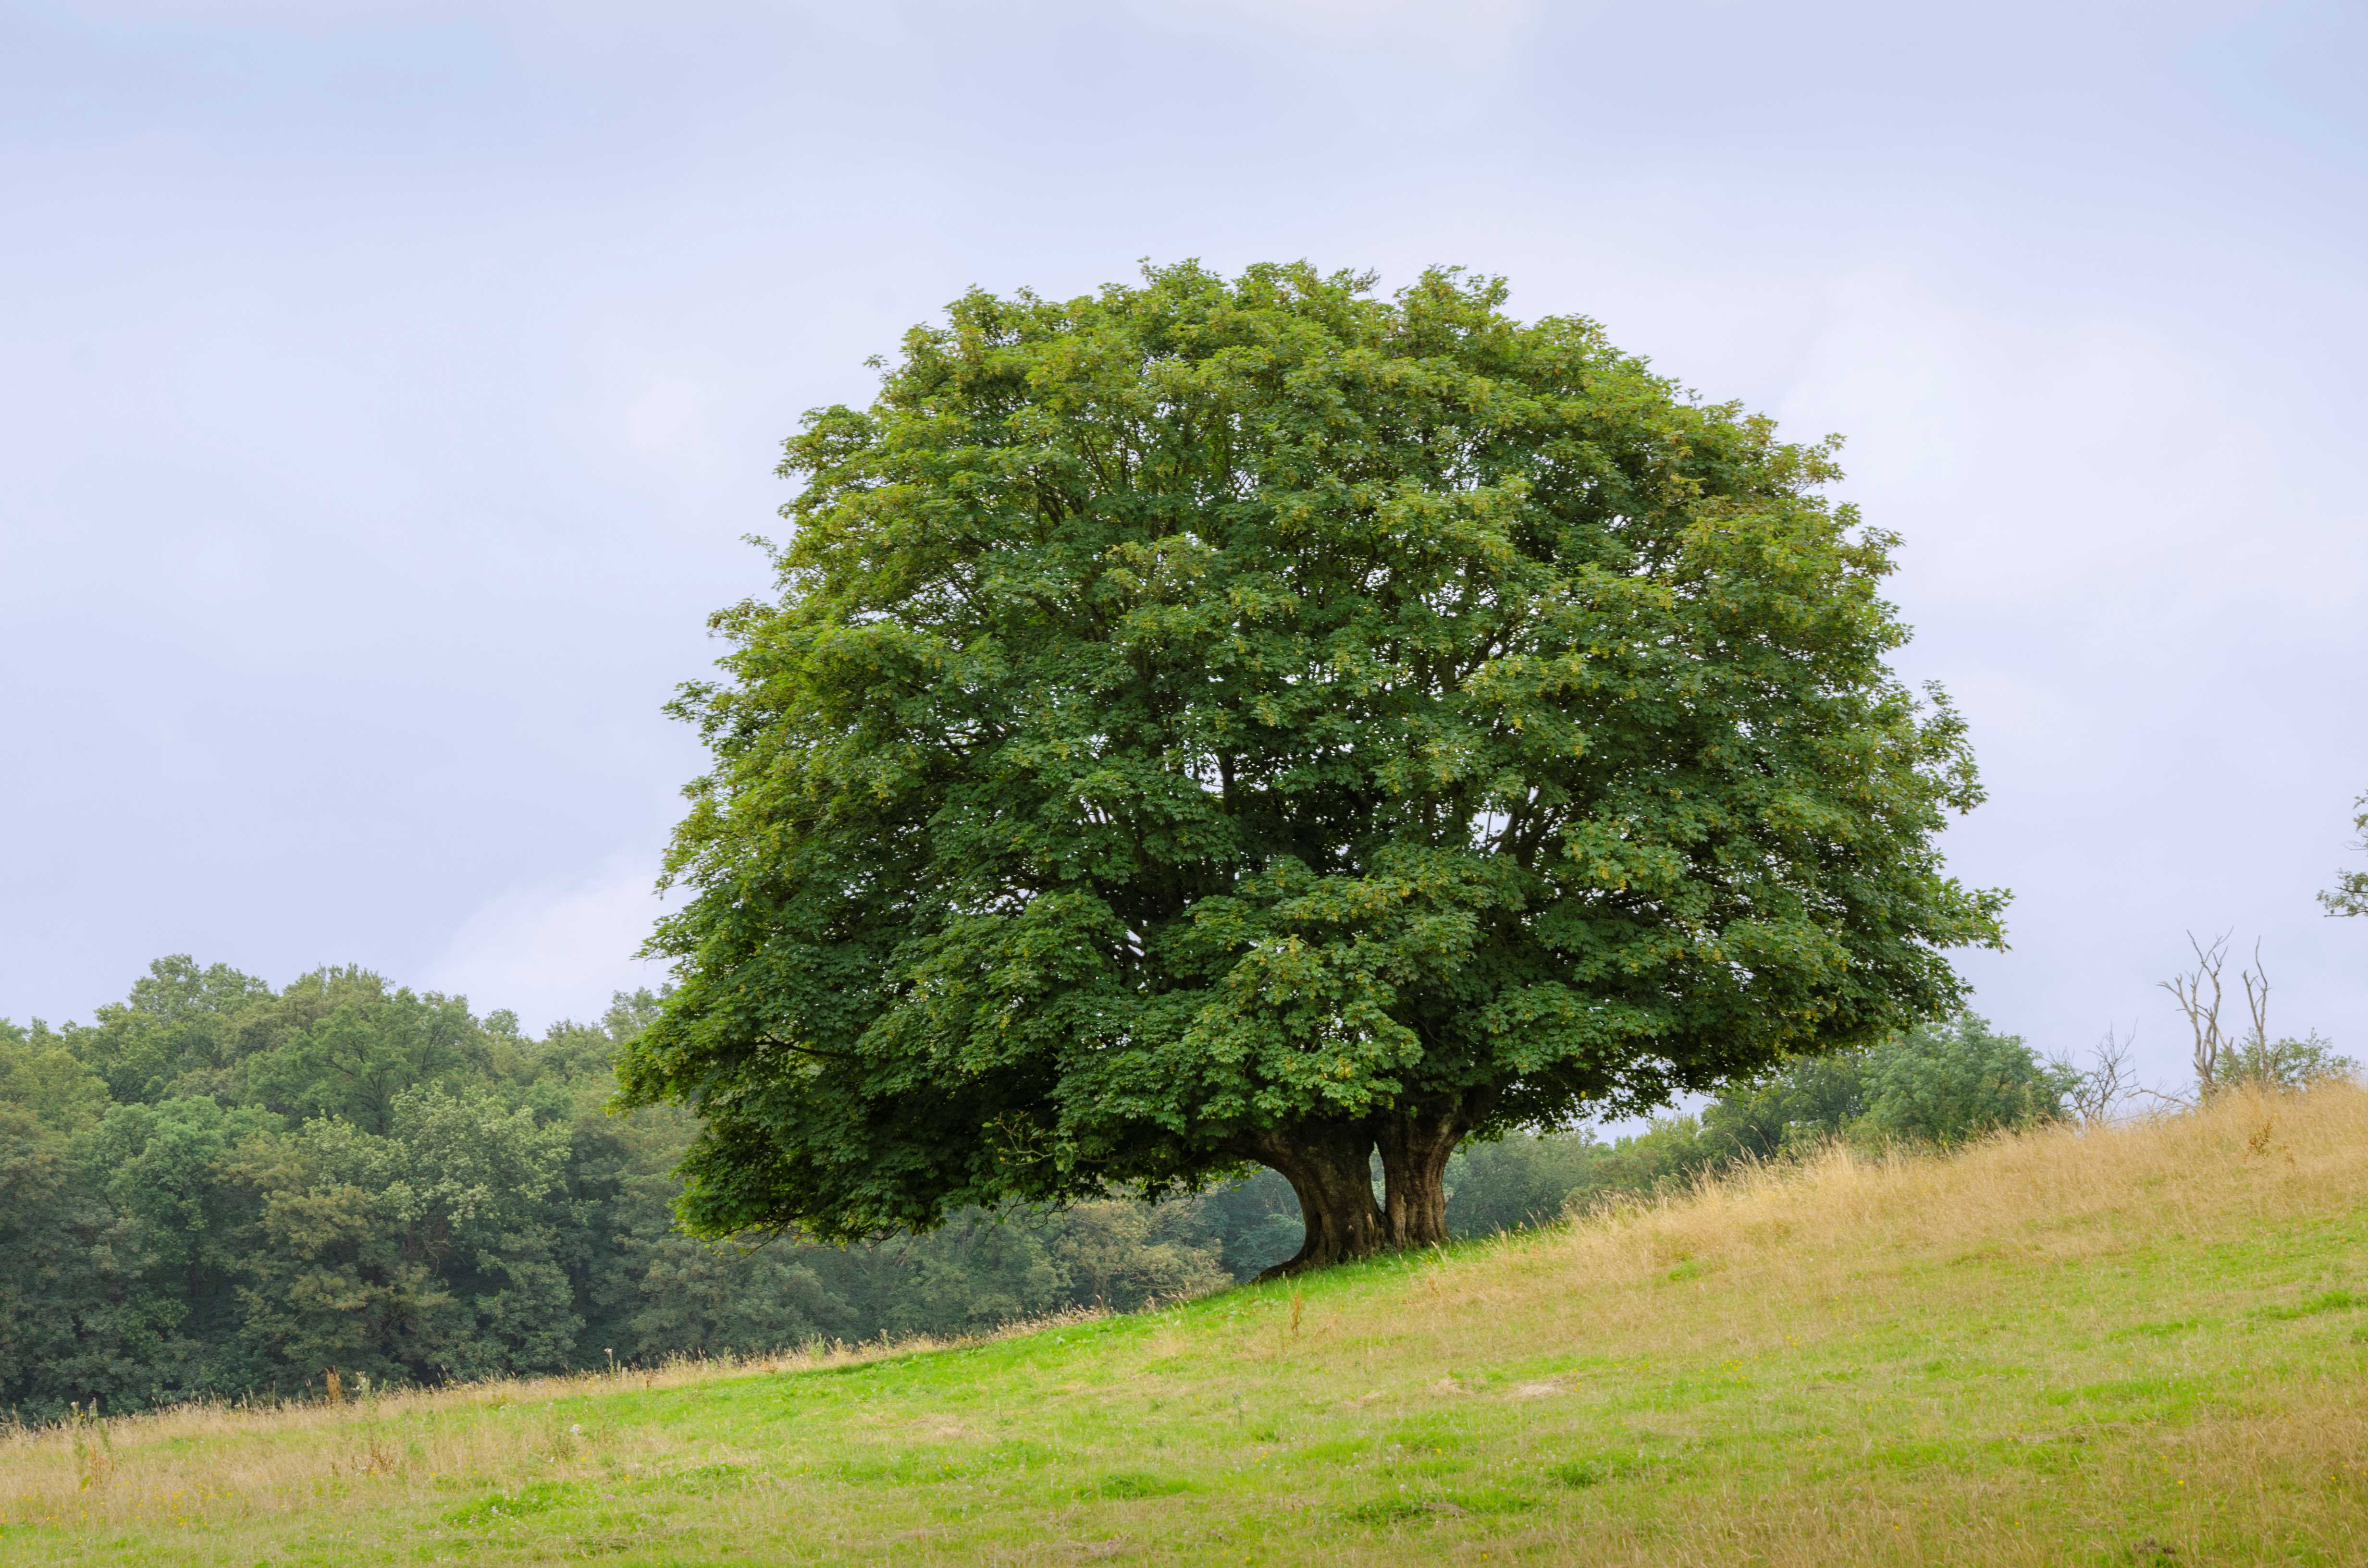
217,1188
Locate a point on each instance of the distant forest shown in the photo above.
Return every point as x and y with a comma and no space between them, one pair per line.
220,1189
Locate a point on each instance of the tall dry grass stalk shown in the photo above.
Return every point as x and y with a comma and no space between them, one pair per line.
2056,1192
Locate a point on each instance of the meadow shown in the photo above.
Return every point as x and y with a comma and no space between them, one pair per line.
2137,1344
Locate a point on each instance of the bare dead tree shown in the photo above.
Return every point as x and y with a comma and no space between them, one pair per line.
2223,1061
2099,1088
2198,992
2257,1002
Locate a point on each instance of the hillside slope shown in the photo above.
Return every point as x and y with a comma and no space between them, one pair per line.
2145,1344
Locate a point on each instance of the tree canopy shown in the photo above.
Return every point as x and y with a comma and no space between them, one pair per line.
1220,722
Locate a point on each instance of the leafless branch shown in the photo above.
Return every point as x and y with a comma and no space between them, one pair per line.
2199,994
2256,1000
2099,1088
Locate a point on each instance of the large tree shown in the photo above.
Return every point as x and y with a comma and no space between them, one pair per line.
1227,722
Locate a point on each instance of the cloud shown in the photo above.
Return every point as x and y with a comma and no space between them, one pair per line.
556,950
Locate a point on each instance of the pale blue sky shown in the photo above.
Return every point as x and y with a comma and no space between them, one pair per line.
391,385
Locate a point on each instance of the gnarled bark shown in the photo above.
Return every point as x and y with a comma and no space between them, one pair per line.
1414,1145
1331,1169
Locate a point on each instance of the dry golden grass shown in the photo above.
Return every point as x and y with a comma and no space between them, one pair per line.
2139,1344
2056,1195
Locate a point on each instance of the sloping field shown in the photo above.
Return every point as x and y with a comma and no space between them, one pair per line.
2140,1345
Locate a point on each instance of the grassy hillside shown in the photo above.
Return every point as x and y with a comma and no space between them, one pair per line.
2139,1346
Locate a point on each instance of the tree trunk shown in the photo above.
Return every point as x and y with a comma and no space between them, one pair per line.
1331,1169
1415,1146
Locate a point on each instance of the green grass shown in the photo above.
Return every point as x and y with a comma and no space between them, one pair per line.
2141,1347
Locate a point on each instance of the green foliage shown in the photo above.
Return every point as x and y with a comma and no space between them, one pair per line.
1944,1083
1805,1102
2276,1064
2350,893
1519,1179
74,1322
174,1035
348,1174
1217,721
424,1252
1527,1180
1937,1085
45,1083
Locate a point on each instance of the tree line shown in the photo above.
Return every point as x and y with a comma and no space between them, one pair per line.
217,1188
221,1189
